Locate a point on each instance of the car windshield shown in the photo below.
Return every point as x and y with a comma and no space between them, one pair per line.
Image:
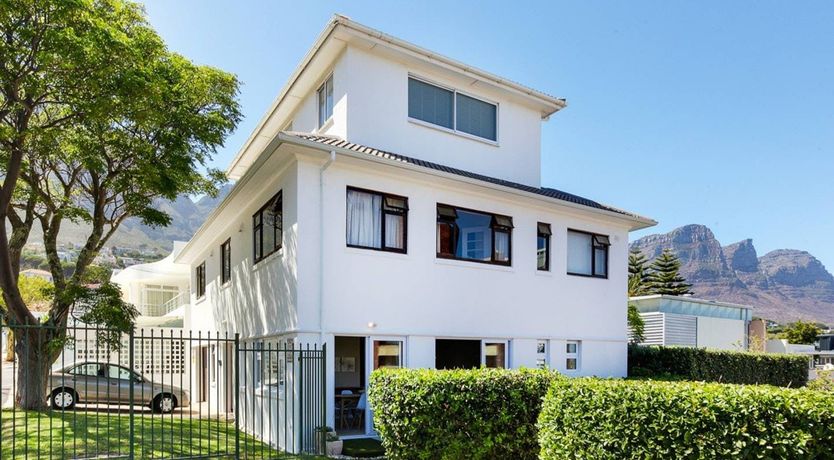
118,372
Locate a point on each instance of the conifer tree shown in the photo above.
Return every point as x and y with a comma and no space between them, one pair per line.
637,274
664,275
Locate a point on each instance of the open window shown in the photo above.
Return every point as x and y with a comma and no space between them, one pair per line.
588,254
543,247
376,220
475,236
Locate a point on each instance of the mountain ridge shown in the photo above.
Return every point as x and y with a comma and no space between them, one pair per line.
782,285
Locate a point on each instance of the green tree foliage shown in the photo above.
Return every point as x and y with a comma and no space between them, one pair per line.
801,332
98,119
636,326
37,292
637,274
664,275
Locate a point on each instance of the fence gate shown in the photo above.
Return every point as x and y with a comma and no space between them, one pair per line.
165,393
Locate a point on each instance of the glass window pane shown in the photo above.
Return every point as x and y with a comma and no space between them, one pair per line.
541,253
256,235
571,348
602,240
600,262
430,103
446,239
570,364
474,236
544,229
476,117
394,231
387,354
502,246
364,219
117,372
328,95
89,370
268,240
446,212
579,253
322,110
494,355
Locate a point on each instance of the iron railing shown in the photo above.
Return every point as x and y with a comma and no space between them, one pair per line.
168,394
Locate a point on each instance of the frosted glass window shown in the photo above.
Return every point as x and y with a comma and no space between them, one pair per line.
579,253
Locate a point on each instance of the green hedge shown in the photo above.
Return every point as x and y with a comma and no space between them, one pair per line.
616,419
718,366
472,414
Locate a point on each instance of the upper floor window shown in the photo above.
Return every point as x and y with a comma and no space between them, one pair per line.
587,254
267,228
226,261
473,235
201,280
376,220
543,247
325,99
452,110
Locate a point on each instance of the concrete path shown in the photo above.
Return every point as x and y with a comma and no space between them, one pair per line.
6,390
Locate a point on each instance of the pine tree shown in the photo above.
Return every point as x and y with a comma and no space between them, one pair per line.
664,276
637,274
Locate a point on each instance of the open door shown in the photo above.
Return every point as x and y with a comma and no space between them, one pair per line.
385,353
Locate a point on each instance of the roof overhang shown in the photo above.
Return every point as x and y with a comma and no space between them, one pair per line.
690,299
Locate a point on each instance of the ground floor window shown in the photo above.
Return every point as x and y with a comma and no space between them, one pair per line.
541,354
572,349
469,353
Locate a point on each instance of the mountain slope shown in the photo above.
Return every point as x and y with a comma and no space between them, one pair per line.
782,285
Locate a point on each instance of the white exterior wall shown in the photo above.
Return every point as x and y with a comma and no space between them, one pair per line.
722,334
418,296
371,108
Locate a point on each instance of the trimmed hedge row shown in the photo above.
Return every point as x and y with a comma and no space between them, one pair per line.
616,419
473,414
718,366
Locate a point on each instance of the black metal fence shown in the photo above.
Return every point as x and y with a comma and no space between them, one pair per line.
165,393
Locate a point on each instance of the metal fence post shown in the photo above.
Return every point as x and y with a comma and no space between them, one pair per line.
323,381
131,365
237,395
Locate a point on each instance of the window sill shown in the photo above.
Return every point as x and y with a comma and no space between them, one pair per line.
200,300
376,252
453,132
268,260
588,276
225,285
545,273
325,126
474,264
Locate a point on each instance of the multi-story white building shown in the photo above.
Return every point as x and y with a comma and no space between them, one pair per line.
389,204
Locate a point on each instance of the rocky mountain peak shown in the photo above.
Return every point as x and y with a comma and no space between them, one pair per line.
699,252
795,268
742,256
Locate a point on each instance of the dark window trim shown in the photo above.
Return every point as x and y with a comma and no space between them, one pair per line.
384,195
226,266
546,235
594,246
495,228
278,236
201,280
454,129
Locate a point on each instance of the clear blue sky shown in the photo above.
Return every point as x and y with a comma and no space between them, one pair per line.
712,112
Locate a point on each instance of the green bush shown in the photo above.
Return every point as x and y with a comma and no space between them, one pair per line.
453,414
718,366
618,419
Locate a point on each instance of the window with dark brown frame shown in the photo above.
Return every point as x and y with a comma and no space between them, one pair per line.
543,247
201,280
376,220
587,254
475,236
267,228
226,261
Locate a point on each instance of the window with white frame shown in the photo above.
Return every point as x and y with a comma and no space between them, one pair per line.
452,110
572,349
543,247
325,100
587,254
541,354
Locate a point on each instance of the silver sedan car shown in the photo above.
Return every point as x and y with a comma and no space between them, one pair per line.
107,383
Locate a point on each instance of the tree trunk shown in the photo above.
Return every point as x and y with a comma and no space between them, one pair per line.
35,357
9,351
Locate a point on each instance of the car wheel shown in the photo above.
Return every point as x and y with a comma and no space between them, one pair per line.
164,403
63,398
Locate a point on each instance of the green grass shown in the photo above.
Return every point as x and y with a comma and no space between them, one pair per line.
54,434
363,448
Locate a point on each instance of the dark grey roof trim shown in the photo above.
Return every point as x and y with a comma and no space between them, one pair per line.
544,191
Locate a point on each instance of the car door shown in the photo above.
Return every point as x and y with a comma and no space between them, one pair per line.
86,378
118,381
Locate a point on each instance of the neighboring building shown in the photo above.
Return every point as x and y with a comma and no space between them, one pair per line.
389,205
689,322
157,288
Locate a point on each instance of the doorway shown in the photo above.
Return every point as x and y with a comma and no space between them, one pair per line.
350,385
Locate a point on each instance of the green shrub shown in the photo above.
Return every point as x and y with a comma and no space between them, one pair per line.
718,366
618,419
453,414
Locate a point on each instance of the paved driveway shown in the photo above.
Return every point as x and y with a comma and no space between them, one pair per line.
5,391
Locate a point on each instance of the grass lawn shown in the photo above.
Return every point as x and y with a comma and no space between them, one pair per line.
72,434
363,448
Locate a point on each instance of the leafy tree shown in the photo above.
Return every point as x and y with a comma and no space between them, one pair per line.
97,121
664,275
636,326
37,292
801,332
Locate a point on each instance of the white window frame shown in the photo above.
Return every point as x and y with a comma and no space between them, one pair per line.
506,343
321,91
576,355
369,360
454,129
545,354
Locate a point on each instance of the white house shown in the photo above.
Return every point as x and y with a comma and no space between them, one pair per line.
156,288
389,204
691,322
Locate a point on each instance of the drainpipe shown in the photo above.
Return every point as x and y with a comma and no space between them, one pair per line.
321,243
